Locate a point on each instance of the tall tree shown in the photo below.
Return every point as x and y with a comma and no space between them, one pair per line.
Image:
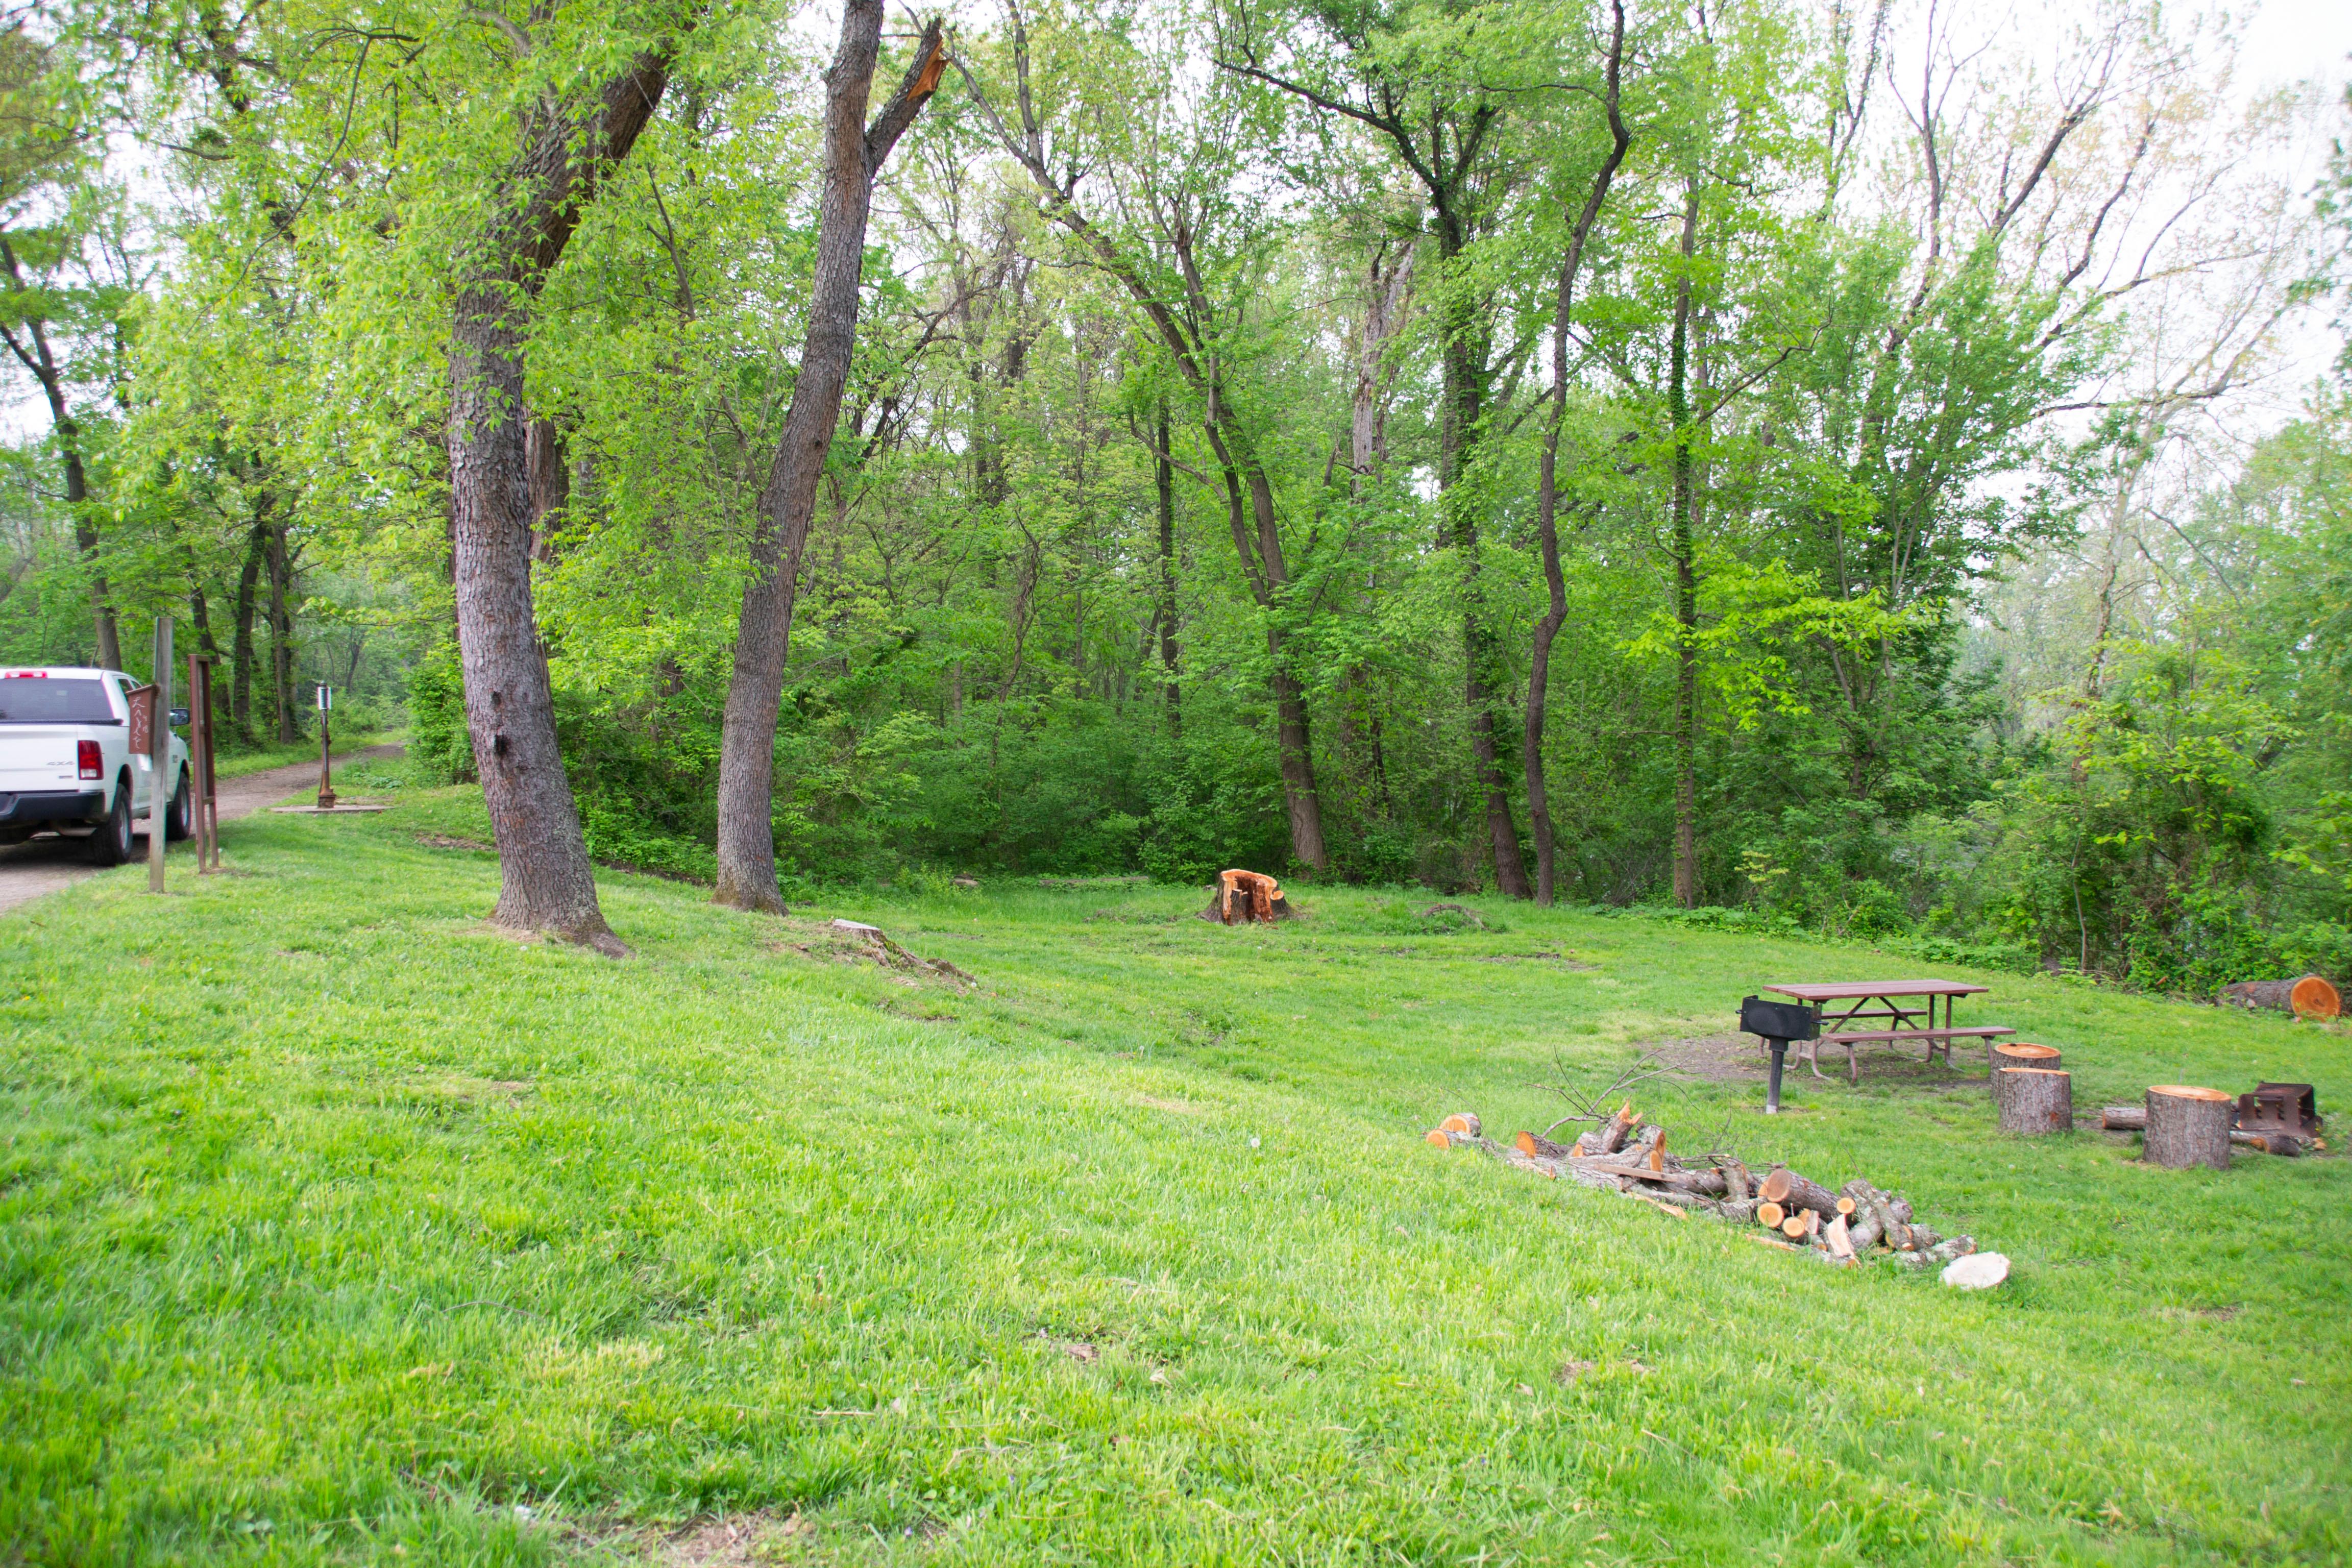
854,153
1555,613
568,144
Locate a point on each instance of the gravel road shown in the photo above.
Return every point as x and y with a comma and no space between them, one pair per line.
44,865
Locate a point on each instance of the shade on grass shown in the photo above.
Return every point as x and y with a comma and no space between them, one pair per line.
333,1222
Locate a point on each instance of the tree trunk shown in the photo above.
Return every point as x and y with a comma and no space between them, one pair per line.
2312,997
1548,484
545,880
1164,478
2188,1127
854,155
241,648
281,636
1685,579
2034,1100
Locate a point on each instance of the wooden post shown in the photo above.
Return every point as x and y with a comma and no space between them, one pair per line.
2034,1100
2187,1126
2019,1054
159,752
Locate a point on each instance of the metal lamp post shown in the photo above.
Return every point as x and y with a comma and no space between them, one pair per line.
326,776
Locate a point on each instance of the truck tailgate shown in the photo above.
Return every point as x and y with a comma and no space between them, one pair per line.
38,756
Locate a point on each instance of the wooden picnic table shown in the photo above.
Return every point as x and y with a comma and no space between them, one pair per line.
1905,1010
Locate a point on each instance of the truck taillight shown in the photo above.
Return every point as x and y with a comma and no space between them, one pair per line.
93,766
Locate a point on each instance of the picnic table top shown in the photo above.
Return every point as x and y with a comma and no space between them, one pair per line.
1852,990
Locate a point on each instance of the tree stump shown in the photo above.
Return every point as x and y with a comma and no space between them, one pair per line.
2019,1054
2034,1100
2188,1126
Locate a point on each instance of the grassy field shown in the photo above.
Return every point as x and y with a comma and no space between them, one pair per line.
336,1228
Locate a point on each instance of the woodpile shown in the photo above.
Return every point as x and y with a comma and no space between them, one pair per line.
2034,1100
2310,997
1625,1155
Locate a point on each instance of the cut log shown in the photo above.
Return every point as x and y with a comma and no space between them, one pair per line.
2310,997
2034,1101
1977,1271
1956,1246
1439,1138
1787,1188
2187,1126
1541,1147
1840,1243
1463,1121
2285,1145
1812,1222
1740,1211
1896,1205
2019,1054
1895,1232
1740,1185
1845,1206
1793,1227
1865,1227
1611,1135
1769,1215
2124,1118
1658,1151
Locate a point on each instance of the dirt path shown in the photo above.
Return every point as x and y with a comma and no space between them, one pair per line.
44,865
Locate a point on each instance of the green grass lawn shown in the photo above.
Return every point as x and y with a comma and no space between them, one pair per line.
336,1228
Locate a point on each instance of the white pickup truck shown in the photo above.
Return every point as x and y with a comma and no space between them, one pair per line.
67,766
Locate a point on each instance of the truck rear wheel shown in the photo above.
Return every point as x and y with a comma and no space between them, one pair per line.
182,821
110,845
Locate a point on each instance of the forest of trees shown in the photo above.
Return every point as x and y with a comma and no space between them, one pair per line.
1862,467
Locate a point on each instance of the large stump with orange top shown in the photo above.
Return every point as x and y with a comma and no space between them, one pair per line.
1243,897
2023,1054
2034,1100
2188,1126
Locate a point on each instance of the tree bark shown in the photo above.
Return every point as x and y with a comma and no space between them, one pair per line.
279,550
248,581
1164,479
853,155
1548,481
1685,579
1791,1190
2034,1100
2188,1127
545,880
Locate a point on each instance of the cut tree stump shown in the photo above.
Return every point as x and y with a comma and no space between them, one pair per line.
2309,997
2034,1100
2019,1054
2187,1126
1535,1146
1791,1190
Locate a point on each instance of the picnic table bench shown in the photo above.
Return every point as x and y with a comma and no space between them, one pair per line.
1906,1010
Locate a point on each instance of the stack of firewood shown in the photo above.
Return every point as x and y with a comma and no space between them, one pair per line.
1626,1156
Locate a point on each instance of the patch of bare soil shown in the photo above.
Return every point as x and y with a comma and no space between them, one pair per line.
1740,1059
443,841
736,1541
1561,959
